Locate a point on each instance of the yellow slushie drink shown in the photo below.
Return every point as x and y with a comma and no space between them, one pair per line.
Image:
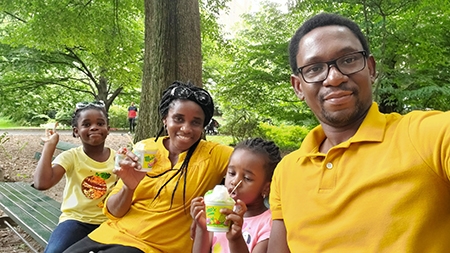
217,199
147,155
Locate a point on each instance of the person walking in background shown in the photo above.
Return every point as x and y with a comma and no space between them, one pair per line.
132,114
249,173
362,181
149,211
88,171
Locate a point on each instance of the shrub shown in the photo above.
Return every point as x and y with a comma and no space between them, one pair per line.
118,117
241,125
39,119
288,138
64,117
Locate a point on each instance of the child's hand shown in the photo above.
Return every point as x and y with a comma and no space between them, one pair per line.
51,136
198,211
198,215
237,220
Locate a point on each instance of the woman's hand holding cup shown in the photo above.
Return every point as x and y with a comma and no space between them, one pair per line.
128,168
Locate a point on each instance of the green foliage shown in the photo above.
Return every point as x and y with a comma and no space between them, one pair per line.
21,105
240,125
93,49
64,117
252,74
38,119
288,138
118,117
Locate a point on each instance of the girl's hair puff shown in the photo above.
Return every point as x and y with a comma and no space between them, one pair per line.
267,149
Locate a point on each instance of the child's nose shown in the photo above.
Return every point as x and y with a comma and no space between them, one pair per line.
236,182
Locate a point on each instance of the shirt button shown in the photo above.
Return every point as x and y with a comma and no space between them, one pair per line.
329,166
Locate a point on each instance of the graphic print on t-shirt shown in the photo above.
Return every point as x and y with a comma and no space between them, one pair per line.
94,187
247,237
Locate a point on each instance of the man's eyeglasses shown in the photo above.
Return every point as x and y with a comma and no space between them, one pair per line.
81,105
347,65
202,97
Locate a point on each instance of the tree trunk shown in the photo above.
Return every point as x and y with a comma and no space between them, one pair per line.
172,52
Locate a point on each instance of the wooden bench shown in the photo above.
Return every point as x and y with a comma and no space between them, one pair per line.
36,213
62,145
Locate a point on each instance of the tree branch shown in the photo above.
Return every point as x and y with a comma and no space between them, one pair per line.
14,16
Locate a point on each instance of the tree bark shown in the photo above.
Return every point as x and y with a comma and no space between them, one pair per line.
172,52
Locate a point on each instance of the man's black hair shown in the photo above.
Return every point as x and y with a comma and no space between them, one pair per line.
320,20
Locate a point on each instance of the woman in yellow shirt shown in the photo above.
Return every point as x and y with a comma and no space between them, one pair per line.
149,212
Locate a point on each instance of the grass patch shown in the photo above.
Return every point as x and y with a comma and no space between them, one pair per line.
6,123
222,139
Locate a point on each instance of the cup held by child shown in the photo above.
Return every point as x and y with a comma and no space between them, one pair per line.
215,200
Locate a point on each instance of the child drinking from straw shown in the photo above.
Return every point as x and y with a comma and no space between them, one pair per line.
248,180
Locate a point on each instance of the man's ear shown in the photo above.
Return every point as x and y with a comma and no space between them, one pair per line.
296,84
372,68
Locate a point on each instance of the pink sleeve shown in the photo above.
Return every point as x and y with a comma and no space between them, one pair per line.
266,222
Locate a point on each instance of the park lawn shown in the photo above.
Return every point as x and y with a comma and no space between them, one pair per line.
6,123
222,139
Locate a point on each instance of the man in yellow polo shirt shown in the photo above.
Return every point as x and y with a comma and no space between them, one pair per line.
362,181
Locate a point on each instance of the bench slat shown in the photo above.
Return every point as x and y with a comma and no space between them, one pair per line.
62,145
31,209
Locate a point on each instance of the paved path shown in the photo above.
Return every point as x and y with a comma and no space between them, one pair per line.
41,132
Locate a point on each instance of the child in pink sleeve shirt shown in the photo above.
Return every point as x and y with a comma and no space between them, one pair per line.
250,170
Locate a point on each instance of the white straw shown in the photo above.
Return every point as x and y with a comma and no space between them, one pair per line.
236,187
131,141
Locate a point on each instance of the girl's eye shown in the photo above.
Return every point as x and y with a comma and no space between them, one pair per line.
231,173
247,179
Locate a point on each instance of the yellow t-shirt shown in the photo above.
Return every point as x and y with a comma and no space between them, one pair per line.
159,225
87,184
386,189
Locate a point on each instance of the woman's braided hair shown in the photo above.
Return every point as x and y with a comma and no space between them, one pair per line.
267,149
165,104
168,98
